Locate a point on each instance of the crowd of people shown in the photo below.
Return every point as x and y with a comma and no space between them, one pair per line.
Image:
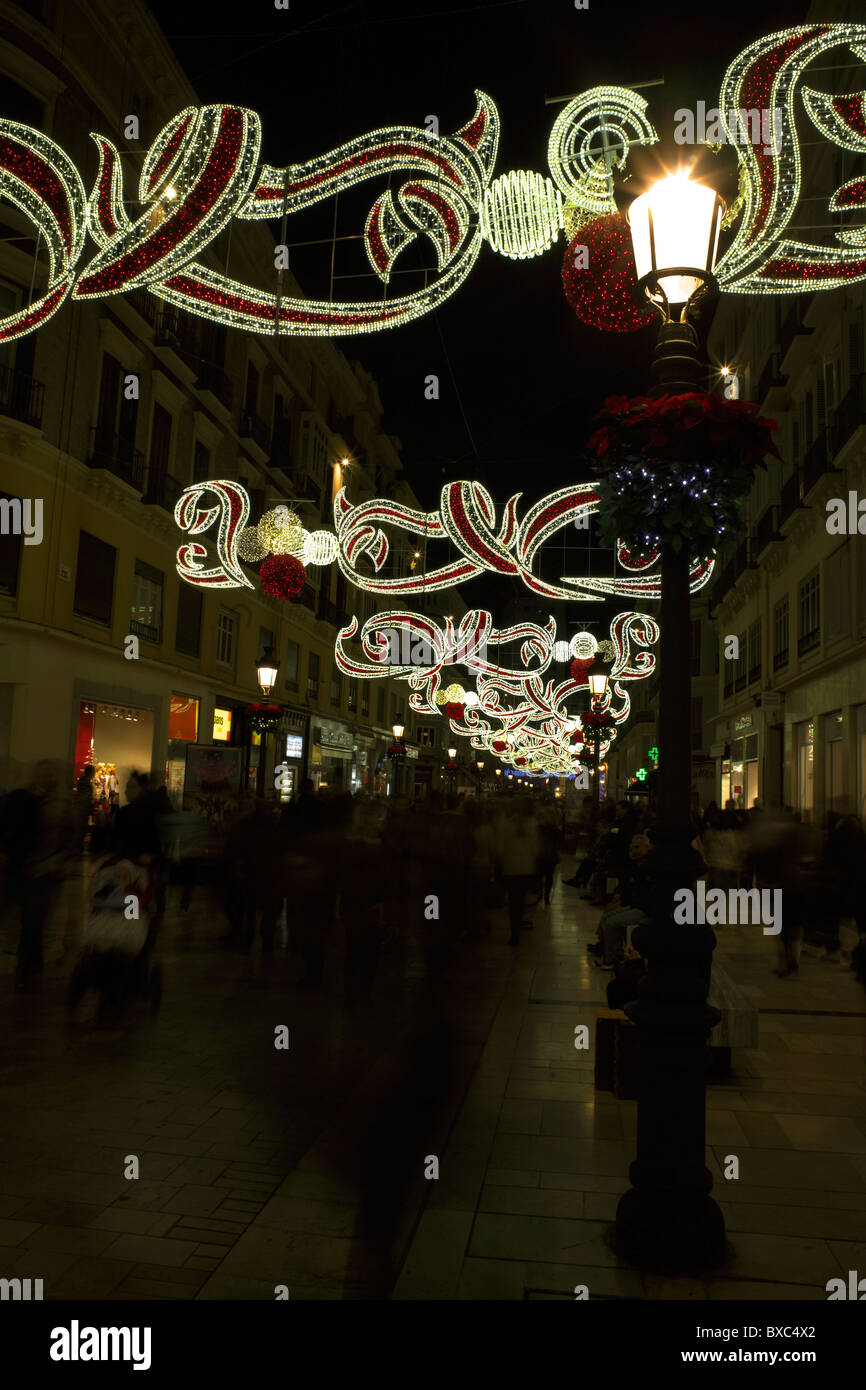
347,875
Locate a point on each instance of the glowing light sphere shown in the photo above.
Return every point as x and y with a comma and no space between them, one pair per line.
607,649
440,698
250,545
454,693
470,699
282,576
561,651
521,214
320,548
281,531
583,646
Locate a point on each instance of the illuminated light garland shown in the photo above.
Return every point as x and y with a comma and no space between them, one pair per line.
561,651
521,214
38,178
250,545
282,576
598,117
765,77
232,511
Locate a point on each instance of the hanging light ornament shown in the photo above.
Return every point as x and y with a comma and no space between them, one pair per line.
583,646
320,548
561,651
282,576
281,531
521,214
250,546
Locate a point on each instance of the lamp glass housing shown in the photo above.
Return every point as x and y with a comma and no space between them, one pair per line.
597,678
267,670
397,730
452,753
674,228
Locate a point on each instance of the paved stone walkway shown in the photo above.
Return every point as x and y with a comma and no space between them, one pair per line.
306,1168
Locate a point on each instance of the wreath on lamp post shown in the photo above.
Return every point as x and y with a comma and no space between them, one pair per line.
264,719
678,468
598,722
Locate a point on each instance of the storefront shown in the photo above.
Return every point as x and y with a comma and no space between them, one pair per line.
292,741
183,719
740,781
332,756
804,767
117,740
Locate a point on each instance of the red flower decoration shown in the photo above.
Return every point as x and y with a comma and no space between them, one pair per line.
579,667
520,762
454,710
499,745
577,736
282,576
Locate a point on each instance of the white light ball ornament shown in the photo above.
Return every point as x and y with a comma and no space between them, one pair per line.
470,699
320,548
561,651
521,214
583,646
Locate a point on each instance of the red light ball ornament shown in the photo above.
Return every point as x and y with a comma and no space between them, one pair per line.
579,667
603,292
454,710
282,576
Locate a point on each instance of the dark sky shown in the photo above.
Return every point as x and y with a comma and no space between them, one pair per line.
520,379
528,376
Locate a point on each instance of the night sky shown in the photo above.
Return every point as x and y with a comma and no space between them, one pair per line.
520,379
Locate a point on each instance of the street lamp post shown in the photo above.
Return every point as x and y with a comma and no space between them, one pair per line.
480,766
267,670
398,752
597,678
452,768
668,1220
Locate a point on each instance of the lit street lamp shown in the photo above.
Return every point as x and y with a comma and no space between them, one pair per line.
667,1219
598,675
452,768
397,752
267,670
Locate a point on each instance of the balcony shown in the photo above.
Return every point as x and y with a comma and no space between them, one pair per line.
176,333
21,397
780,659
217,382
116,456
254,430
145,631
851,413
162,490
767,529
809,642
771,377
816,462
791,497
793,327
145,304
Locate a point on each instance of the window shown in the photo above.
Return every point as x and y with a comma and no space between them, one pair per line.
226,633
146,606
183,718
10,549
200,462
353,696
740,668
696,646
426,736
755,651
313,676
365,699
222,726
94,578
336,686
188,630
117,416
780,634
292,655
810,612
837,580
160,443
380,705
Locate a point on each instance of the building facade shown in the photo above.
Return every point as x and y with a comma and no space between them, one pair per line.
107,413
